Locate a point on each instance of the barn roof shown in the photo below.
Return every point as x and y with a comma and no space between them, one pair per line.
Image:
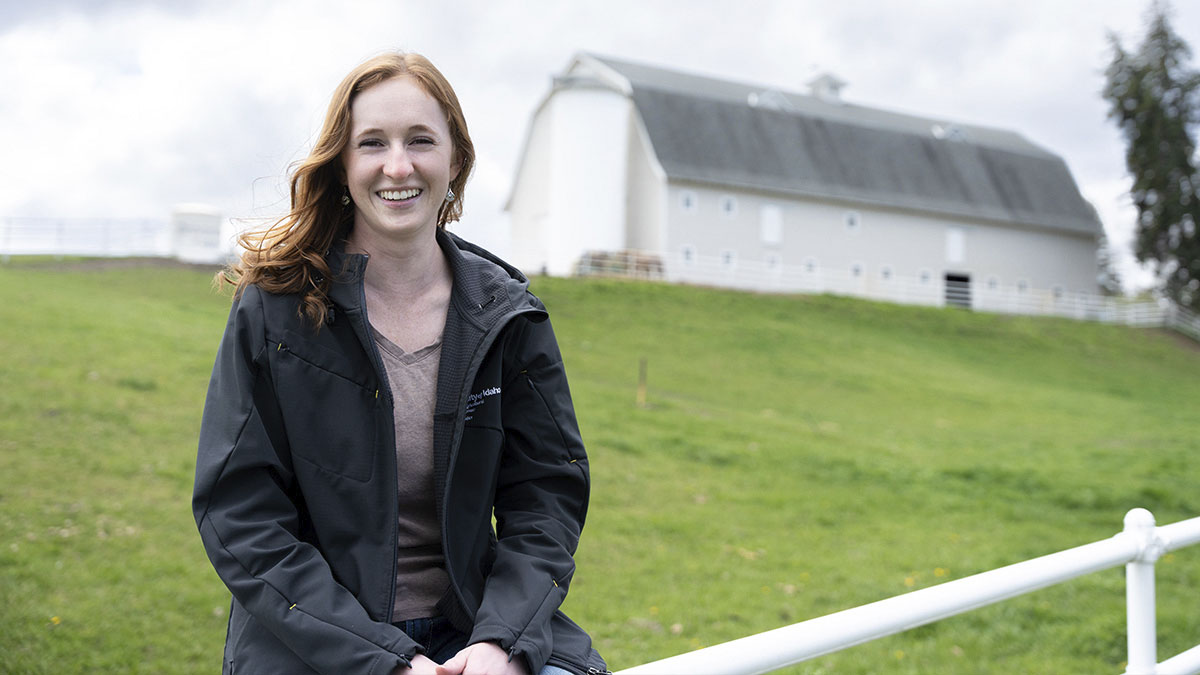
741,135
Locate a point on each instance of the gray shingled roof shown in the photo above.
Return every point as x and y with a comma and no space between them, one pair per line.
705,130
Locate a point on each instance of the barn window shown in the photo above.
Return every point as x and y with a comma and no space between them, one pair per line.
1022,286
853,221
771,221
773,261
729,205
688,253
688,201
993,283
728,258
926,276
1058,292
810,265
956,245
885,272
856,269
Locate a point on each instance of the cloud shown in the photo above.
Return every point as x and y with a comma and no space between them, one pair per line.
125,107
137,108
23,14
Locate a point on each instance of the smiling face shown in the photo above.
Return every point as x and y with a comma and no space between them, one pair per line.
398,163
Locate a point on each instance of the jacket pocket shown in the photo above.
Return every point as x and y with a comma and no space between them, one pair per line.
546,424
329,418
257,650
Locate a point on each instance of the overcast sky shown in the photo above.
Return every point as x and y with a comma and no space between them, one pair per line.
124,108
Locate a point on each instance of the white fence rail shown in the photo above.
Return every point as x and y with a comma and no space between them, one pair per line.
1137,547
108,237
928,289
1184,321
193,233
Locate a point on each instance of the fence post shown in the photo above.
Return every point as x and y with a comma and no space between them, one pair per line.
1139,594
641,388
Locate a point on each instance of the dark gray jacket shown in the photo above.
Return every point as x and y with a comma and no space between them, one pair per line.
295,493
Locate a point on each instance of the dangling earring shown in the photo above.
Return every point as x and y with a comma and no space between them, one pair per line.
449,194
345,200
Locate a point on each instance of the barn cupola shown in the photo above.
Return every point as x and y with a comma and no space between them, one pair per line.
827,87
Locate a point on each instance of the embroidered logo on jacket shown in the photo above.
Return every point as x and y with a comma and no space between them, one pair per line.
476,400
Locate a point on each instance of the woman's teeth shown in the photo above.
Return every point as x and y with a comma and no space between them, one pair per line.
398,195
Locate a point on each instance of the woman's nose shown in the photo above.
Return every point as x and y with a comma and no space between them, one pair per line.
397,164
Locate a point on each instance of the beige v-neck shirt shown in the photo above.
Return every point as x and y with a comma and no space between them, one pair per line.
421,578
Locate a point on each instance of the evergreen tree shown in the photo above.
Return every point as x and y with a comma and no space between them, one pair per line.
1109,278
1154,99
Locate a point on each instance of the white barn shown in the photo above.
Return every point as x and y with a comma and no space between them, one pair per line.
727,183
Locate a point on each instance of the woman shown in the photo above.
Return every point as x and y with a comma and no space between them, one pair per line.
365,420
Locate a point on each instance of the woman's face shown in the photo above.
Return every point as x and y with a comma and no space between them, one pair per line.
399,161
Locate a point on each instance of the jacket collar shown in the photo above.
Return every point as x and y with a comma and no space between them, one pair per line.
486,289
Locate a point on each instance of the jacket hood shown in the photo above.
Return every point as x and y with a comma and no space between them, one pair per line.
481,278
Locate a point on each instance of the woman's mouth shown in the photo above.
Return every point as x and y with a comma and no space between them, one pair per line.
398,195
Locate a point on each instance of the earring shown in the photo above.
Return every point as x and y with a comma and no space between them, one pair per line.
450,194
345,200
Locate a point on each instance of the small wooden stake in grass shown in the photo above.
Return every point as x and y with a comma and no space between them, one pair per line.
641,390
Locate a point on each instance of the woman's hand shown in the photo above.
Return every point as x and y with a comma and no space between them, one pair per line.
421,665
483,658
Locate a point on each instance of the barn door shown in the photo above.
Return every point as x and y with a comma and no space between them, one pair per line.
958,290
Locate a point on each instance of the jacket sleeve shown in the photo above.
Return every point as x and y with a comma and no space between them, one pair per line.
246,507
541,500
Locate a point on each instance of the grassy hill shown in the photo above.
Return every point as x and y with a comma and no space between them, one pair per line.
796,456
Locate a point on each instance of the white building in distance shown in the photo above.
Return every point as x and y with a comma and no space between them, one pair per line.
634,168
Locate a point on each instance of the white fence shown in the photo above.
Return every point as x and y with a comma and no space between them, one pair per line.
107,237
1137,547
193,233
926,290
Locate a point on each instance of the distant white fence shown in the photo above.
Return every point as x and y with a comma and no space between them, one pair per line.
1137,547
193,233
105,237
929,290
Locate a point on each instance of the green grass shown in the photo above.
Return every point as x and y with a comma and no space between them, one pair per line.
797,456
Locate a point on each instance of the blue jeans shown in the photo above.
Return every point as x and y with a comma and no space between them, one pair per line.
442,640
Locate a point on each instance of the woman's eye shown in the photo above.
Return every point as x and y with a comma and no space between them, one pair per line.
421,140
369,142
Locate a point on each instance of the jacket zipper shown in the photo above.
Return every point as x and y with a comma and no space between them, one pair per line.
483,346
377,364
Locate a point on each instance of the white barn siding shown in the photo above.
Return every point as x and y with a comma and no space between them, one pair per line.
698,227
906,244
646,195
1044,259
